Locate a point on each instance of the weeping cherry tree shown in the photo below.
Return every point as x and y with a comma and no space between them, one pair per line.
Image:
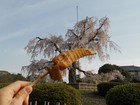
88,33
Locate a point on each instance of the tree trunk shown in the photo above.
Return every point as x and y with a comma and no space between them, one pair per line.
32,76
72,73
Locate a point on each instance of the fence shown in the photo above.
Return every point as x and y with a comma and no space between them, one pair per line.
45,103
84,86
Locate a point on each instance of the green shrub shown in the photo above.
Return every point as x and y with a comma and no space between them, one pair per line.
3,85
106,68
127,94
104,87
109,67
55,92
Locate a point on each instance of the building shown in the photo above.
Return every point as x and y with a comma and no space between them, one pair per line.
134,71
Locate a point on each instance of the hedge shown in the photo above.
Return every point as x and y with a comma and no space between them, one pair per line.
127,94
55,92
104,87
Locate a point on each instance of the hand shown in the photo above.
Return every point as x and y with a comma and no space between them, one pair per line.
16,93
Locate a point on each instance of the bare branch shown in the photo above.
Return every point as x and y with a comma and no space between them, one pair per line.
39,38
71,30
57,49
97,31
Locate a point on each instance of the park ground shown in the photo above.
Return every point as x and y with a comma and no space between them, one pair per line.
90,97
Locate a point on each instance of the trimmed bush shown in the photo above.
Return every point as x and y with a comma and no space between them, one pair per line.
104,87
127,94
55,92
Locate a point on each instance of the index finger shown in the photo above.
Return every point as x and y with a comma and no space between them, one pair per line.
16,86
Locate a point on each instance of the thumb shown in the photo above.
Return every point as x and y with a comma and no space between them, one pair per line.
22,95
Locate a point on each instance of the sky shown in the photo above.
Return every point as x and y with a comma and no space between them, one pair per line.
22,20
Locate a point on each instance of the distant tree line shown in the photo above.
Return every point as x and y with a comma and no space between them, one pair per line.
6,77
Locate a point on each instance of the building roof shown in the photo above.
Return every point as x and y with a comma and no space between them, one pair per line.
131,68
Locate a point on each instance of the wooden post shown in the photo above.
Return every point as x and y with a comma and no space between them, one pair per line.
48,103
58,103
35,102
45,103
30,103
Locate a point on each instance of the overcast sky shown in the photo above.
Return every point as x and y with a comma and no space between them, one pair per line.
22,20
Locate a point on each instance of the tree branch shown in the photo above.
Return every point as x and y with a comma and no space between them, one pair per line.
85,26
55,45
39,39
74,33
81,70
57,48
93,38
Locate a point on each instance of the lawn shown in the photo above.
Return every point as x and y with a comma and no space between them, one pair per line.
90,97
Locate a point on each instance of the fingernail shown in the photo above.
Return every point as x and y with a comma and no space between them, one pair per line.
28,89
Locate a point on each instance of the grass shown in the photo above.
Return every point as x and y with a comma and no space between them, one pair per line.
90,97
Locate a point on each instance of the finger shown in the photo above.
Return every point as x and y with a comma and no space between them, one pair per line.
26,101
21,96
16,86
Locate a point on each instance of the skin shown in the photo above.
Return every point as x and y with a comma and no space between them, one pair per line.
16,93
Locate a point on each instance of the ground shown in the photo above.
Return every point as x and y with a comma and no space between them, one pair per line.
90,97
